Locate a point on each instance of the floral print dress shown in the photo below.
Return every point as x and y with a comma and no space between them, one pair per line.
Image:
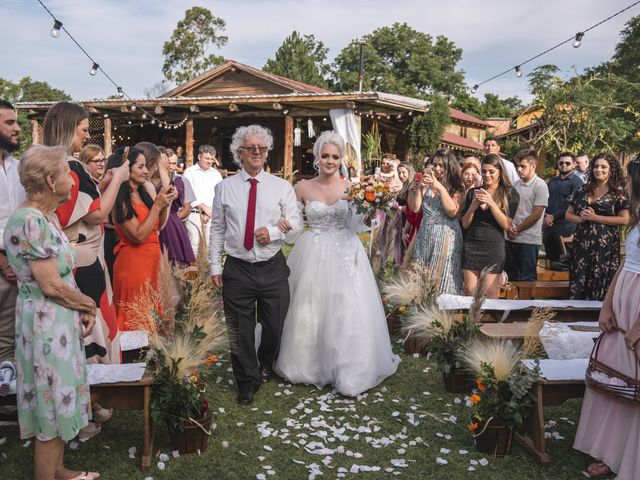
595,249
53,393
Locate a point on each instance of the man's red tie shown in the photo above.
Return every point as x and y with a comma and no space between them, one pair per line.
251,215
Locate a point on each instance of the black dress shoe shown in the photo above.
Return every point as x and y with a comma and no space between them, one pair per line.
266,374
245,397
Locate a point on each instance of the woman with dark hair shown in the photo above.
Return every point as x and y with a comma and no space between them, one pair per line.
609,430
438,245
138,215
599,208
488,211
174,237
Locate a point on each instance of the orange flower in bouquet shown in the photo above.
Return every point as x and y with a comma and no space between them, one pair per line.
371,194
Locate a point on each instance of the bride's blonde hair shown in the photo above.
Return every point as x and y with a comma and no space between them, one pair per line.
328,137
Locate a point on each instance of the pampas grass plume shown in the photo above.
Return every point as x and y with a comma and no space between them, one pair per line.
422,323
502,355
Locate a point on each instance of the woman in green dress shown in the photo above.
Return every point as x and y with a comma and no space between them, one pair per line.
52,316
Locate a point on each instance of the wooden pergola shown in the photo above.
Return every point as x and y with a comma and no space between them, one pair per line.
210,107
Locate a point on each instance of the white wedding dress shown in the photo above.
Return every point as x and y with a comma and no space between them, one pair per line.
335,330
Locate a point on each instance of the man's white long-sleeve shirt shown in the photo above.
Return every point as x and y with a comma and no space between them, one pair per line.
203,183
275,198
12,192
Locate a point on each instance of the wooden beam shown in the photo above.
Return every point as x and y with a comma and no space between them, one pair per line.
189,143
288,148
35,131
107,137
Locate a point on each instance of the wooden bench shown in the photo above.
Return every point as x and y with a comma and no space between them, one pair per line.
548,275
122,396
130,396
529,290
546,393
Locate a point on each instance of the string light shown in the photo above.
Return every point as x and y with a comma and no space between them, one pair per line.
518,71
94,69
576,39
57,25
120,92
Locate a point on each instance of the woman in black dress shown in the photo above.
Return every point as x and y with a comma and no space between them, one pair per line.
599,208
487,213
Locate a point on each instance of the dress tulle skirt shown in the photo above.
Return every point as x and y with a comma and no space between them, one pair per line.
609,430
335,330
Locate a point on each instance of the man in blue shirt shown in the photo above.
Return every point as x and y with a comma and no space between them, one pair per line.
560,189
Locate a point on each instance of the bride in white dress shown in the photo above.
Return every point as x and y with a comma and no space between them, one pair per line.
335,330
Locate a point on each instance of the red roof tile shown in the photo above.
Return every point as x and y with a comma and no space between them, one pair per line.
465,117
458,141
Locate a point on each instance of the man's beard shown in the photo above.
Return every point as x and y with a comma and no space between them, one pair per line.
7,145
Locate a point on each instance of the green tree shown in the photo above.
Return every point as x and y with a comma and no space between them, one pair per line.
491,106
186,53
301,58
584,113
399,59
28,90
425,130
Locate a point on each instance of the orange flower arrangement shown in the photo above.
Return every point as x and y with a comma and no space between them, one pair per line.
211,360
481,386
474,398
473,426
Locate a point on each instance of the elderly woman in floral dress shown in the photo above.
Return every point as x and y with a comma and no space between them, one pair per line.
53,392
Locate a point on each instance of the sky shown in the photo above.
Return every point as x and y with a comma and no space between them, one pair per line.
126,37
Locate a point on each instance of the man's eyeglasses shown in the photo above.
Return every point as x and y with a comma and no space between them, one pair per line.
564,163
253,148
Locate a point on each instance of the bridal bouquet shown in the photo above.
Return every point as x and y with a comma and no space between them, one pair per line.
372,194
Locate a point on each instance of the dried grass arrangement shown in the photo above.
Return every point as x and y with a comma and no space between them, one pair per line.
184,321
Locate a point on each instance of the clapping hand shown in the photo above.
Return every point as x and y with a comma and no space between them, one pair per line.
165,197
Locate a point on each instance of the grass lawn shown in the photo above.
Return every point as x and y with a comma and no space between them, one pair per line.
399,429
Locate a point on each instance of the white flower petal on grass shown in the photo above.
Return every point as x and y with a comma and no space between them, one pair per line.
447,437
3,440
463,452
261,458
401,451
473,462
395,414
441,461
148,478
73,445
163,457
176,454
444,450
261,476
161,466
267,448
471,469
225,444
484,462
221,409
132,452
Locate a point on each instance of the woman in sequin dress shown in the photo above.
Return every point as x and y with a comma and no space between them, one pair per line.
439,240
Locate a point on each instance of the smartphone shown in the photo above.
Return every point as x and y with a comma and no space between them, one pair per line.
417,177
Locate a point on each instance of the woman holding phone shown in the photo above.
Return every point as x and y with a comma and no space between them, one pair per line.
438,193
487,213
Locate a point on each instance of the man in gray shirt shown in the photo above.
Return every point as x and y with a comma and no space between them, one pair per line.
525,235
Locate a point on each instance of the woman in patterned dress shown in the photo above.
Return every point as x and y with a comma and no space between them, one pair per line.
53,392
600,207
439,239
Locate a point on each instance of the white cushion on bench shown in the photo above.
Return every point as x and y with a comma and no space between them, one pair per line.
460,302
133,340
126,372
558,370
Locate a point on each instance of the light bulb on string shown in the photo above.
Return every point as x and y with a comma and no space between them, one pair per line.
518,71
153,121
133,108
94,69
578,40
55,31
120,92
475,88
144,116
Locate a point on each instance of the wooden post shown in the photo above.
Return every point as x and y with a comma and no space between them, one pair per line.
288,148
107,137
35,131
359,168
189,143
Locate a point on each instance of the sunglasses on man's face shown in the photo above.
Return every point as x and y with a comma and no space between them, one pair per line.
564,164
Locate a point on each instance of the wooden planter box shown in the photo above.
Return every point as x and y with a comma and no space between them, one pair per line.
494,439
413,345
393,324
192,438
458,382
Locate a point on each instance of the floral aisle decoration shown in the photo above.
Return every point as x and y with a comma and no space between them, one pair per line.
445,334
184,321
503,396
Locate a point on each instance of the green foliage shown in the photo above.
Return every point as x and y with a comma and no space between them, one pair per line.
425,130
508,401
491,106
301,58
186,52
28,90
585,113
401,60
447,341
371,147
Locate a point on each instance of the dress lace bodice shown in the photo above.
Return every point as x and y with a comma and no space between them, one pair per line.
328,218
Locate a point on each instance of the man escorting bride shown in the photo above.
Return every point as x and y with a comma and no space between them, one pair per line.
335,330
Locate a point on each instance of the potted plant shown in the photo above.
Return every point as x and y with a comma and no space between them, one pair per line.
503,397
183,319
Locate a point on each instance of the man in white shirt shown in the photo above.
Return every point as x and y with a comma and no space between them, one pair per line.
246,209
11,196
202,178
525,235
491,145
